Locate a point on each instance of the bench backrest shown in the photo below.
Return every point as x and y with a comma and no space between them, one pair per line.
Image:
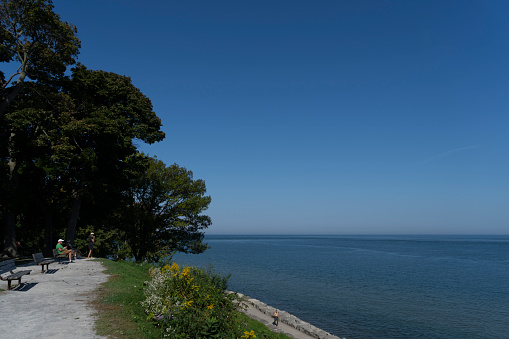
38,257
7,266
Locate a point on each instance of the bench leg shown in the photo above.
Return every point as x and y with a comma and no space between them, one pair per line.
8,284
42,268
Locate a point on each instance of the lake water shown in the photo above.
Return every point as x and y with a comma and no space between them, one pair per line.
373,286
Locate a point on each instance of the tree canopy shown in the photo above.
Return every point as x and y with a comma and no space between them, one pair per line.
67,144
164,209
41,46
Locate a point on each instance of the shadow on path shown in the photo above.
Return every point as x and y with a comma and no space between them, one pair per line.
23,287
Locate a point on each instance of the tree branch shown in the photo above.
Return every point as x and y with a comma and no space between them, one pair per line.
8,81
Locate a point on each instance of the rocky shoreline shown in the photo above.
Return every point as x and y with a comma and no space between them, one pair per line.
288,319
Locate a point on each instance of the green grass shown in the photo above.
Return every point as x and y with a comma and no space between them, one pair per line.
118,304
121,315
23,261
260,329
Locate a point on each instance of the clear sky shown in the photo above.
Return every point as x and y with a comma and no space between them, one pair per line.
322,117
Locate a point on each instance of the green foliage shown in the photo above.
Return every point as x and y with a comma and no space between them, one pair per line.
40,46
122,250
122,315
261,331
163,211
33,35
211,329
104,238
191,303
73,163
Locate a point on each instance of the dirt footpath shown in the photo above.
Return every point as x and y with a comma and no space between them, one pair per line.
54,304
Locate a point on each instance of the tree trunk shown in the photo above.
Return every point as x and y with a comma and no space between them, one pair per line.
9,243
10,247
73,219
13,93
49,242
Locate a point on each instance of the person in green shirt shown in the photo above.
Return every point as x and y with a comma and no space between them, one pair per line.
62,250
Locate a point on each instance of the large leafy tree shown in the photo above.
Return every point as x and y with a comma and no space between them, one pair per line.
164,210
92,142
72,143
37,46
68,141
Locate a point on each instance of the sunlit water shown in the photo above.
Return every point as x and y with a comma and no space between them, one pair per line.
373,286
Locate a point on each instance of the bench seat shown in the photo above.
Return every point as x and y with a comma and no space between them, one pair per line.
40,260
7,267
59,256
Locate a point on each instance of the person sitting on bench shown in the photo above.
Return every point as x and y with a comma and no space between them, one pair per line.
69,247
62,250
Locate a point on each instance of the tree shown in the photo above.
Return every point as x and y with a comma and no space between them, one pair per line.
163,214
40,46
91,143
34,38
77,140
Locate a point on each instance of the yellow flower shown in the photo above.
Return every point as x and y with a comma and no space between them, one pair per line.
174,267
188,303
249,335
210,307
165,268
195,286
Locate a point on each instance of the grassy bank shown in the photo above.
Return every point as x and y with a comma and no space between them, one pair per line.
121,315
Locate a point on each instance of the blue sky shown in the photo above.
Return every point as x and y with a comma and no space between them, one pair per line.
323,117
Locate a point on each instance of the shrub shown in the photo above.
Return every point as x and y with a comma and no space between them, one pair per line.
190,302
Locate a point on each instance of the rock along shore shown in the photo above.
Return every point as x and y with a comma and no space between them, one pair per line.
300,327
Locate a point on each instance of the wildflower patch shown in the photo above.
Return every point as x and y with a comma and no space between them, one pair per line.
190,302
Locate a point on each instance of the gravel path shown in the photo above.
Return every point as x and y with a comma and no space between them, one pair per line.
54,304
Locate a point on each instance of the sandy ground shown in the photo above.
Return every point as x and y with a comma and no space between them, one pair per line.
55,304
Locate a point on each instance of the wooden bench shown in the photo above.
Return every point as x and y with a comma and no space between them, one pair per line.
59,256
7,267
40,260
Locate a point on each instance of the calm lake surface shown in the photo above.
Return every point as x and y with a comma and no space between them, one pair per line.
373,286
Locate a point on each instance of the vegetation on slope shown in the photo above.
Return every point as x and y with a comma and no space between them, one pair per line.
121,312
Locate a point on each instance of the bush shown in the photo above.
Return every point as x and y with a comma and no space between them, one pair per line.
191,302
